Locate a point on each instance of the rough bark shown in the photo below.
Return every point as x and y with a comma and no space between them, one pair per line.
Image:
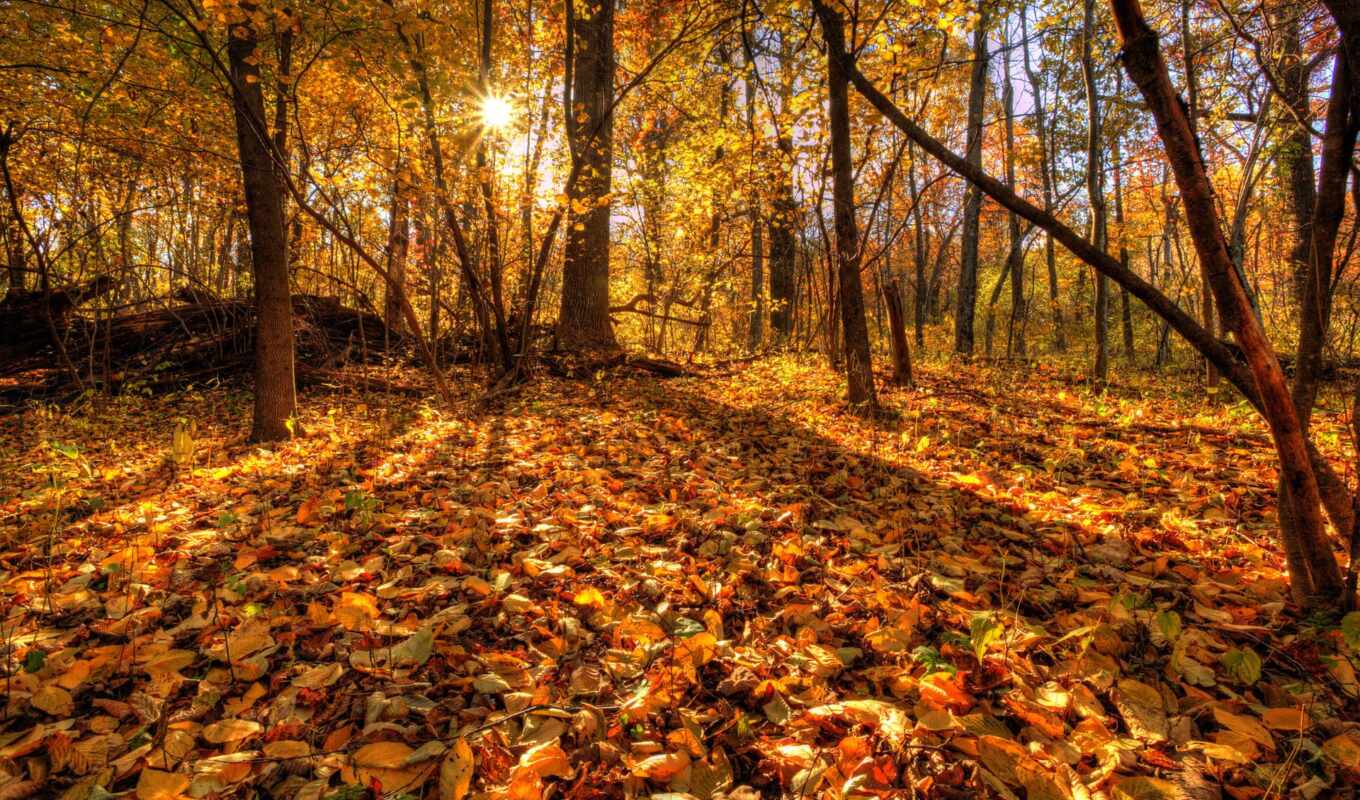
966,300
275,383
897,334
858,365
583,321
398,239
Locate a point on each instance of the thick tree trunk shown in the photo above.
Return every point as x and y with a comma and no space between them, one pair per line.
966,300
1314,574
583,322
275,385
858,365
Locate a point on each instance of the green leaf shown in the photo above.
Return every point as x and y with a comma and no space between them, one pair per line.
931,659
1243,665
1169,623
34,660
1350,630
983,631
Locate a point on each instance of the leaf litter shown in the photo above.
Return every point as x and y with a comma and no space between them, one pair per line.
696,588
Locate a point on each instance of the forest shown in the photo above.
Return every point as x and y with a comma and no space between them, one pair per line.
680,399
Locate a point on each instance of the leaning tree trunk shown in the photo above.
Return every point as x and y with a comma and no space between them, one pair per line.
1314,575
583,322
858,364
275,386
1258,381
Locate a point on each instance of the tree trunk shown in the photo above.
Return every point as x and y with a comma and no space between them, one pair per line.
756,330
398,238
1095,188
275,386
1126,311
972,204
1314,575
1015,334
897,330
783,218
583,322
858,365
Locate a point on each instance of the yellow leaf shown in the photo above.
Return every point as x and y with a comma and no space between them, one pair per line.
1287,719
1245,726
1344,750
356,610
662,767
231,730
156,785
54,700
590,597
385,762
455,772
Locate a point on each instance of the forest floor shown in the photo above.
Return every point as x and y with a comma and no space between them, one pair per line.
704,587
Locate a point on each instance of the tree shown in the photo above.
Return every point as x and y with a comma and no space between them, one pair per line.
858,364
275,385
966,302
1095,186
1314,574
584,322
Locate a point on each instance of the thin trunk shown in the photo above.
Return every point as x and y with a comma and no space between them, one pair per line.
858,366
1095,187
398,238
1126,312
756,330
1015,266
966,300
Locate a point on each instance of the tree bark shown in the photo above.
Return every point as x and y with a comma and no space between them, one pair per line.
858,365
966,300
1095,188
1242,376
1314,575
398,239
583,321
897,331
756,330
275,383
1015,334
